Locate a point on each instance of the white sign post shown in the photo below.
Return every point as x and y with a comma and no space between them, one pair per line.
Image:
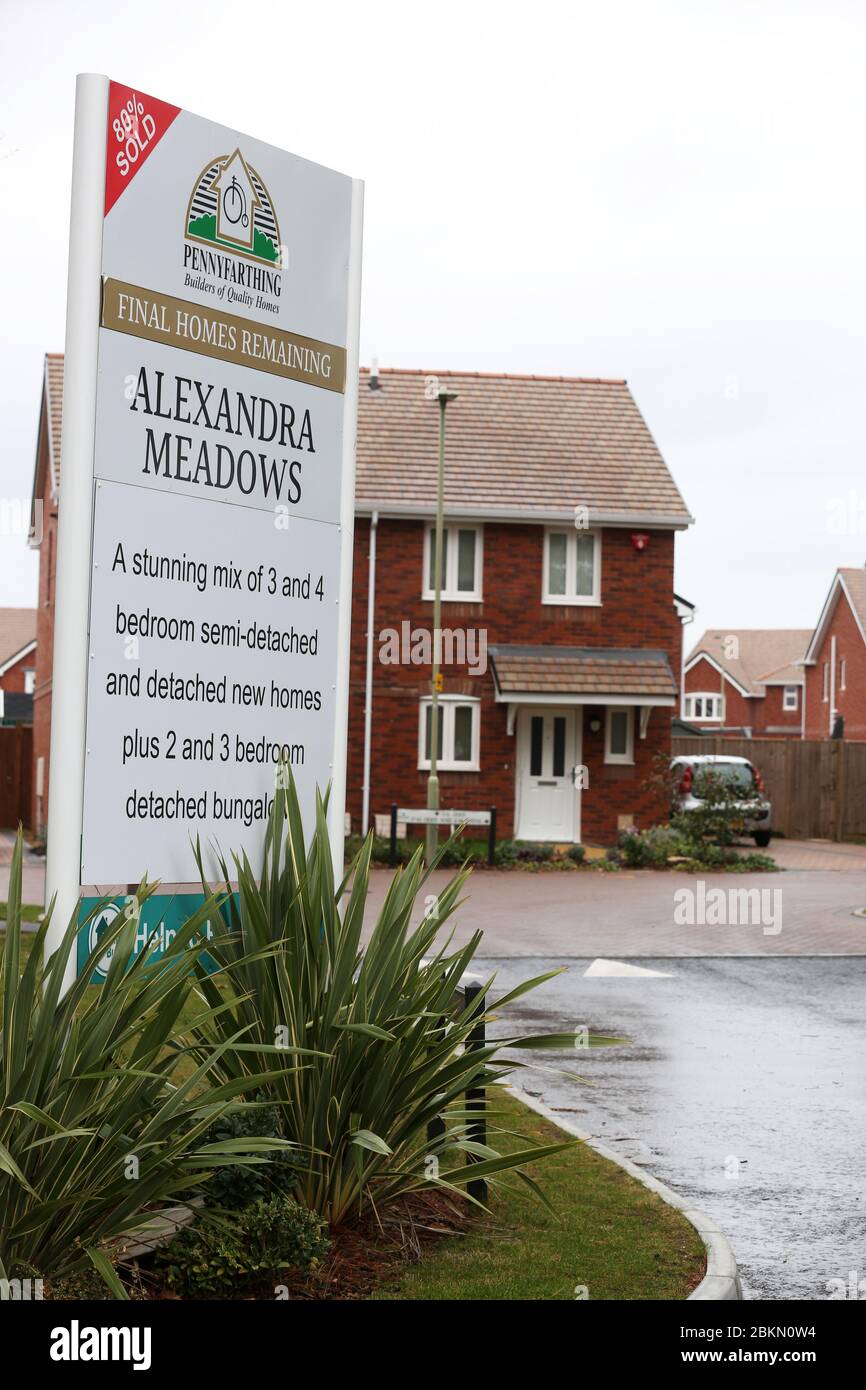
207,496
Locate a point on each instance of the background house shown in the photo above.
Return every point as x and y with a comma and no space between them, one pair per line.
747,681
835,662
584,641
17,676
46,485
18,655
574,625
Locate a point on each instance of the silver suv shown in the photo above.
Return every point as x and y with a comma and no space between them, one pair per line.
689,769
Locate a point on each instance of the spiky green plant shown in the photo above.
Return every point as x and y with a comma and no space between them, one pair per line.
98,1123
385,1025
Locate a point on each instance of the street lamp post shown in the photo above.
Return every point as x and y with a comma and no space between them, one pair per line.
433,779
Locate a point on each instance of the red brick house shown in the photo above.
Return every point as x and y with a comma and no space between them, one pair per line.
747,682
561,641
835,661
17,676
17,650
559,554
46,483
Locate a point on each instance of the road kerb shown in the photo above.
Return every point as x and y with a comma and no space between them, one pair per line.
722,1280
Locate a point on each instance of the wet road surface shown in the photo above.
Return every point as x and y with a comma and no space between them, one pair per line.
743,1086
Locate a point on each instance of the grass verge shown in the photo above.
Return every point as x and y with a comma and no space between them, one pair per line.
30,912
610,1234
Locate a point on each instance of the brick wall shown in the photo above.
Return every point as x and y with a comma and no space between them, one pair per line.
773,720
850,702
637,611
13,680
44,660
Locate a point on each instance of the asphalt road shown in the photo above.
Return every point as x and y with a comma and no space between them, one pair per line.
743,1086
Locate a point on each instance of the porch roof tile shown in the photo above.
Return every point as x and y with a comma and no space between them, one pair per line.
602,671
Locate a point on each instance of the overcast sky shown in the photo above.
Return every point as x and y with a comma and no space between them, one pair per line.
669,192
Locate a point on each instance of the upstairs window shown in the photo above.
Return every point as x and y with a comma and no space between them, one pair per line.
462,548
704,705
572,567
789,698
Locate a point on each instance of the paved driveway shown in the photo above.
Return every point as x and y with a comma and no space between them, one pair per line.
816,854
636,913
742,1086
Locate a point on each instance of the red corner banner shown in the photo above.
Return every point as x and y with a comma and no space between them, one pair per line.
136,124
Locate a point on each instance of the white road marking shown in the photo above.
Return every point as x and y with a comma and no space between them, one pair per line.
620,969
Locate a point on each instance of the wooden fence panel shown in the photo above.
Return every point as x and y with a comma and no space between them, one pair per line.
16,765
817,786
854,800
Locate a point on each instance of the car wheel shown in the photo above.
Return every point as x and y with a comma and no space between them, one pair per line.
763,838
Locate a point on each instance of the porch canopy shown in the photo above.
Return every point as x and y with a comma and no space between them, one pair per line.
632,676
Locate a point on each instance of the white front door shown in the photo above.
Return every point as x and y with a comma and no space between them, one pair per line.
548,749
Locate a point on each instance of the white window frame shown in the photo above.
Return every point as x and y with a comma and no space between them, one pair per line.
825,697
790,699
716,699
843,674
450,592
628,755
446,762
30,680
570,598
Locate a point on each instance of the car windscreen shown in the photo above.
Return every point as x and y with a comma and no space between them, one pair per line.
734,776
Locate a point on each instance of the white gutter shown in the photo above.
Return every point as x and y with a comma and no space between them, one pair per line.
368,690
684,622
527,515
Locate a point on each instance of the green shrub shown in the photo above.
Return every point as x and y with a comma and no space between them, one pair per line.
533,852
576,853
264,1239
86,1286
202,1260
240,1184
92,1078
280,1234
718,818
371,1041
505,853
641,849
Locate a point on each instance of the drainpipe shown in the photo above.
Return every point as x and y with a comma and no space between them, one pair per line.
803,710
832,683
684,622
368,692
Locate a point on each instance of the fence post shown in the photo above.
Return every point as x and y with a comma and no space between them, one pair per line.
475,1095
392,852
491,838
436,1126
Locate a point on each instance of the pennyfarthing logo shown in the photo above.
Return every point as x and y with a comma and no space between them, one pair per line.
230,208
